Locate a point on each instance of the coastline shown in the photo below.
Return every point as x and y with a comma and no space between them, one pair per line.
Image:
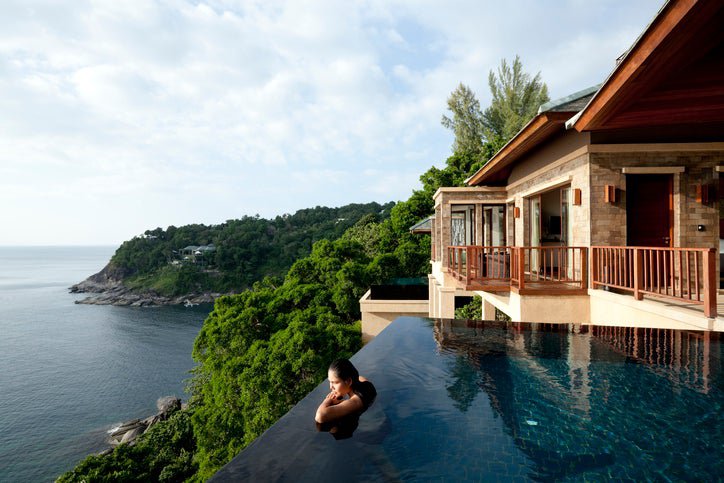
106,288
120,295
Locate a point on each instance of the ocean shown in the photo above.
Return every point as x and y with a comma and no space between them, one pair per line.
69,372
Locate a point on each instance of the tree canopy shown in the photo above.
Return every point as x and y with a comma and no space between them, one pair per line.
466,121
516,99
246,249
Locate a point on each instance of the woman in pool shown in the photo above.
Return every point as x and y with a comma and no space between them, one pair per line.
349,393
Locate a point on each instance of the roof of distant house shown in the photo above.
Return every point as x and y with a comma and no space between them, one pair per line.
422,226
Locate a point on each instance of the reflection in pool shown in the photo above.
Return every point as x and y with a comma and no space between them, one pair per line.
472,401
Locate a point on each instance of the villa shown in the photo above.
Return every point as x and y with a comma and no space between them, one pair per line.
606,207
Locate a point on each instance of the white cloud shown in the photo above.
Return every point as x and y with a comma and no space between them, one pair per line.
131,115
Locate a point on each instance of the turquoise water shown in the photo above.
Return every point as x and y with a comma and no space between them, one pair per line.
69,372
493,401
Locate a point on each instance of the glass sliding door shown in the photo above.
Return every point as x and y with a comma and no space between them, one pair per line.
567,227
457,229
535,232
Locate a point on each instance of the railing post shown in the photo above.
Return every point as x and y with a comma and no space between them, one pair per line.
460,262
710,288
594,267
521,268
469,265
584,267
638,273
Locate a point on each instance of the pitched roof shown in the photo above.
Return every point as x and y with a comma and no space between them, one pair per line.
550,119
672,75
422,226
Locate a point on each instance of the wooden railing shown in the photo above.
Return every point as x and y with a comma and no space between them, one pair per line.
545,267
686,274
476,263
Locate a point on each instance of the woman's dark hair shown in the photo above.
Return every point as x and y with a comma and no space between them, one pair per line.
345,370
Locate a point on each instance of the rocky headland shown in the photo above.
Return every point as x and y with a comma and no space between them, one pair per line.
107,288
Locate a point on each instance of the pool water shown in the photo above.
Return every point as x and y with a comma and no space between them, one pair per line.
486,401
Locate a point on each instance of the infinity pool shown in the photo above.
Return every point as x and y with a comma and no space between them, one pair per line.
487,401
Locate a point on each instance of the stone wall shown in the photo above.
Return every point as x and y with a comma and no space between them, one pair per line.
609,220
574,172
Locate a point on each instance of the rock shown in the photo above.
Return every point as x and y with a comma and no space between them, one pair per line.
132,434
168,404
127,432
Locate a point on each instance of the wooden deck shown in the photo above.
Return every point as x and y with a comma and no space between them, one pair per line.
531,288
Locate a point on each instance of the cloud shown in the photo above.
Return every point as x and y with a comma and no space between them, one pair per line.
142,113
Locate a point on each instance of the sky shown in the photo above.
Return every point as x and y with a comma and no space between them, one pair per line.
119,117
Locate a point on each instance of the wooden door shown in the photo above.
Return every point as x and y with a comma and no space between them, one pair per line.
649,210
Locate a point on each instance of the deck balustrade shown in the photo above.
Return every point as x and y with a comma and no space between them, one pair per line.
525,269
684,274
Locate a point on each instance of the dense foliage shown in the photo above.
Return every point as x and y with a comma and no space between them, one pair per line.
472,310
164,453
246,250
264,349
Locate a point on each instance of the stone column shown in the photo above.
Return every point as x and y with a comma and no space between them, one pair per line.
488,310
445,234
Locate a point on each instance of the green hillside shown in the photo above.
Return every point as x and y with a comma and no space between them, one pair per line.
233,255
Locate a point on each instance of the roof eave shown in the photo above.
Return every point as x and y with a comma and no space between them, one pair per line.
537,129
596,111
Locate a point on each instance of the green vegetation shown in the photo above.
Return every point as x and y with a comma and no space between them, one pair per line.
516,99
264,349
164,453
246,250
472,310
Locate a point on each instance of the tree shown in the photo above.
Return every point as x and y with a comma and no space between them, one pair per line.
466,122
516,99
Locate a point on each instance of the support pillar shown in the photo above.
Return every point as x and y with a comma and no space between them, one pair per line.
488,310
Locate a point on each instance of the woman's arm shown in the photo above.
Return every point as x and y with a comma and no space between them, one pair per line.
332,409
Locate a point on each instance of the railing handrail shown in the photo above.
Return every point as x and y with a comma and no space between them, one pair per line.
679,273
674,249
516,267
509,247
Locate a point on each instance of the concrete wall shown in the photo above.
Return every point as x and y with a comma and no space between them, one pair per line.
608,308
572,309
378,314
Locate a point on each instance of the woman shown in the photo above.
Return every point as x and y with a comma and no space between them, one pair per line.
349,393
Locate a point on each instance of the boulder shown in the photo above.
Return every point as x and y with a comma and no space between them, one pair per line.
168,404
132,434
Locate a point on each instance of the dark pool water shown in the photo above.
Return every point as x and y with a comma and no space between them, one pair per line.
495,401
